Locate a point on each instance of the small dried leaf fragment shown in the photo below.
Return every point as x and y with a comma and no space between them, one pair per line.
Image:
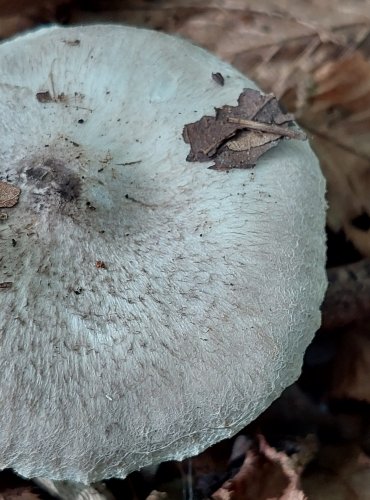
265,473
9,195
236,136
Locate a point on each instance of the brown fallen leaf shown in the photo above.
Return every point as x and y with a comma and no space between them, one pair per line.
351,367
9,195
347,299
255,125
339,473
265,474
20,493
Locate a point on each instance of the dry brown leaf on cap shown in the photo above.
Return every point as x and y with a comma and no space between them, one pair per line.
265,474
9,195
338,115
254,126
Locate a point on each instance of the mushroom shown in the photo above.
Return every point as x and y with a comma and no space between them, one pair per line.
156,306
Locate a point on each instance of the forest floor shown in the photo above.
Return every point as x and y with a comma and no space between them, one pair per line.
314,55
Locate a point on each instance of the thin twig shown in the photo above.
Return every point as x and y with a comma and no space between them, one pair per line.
269,128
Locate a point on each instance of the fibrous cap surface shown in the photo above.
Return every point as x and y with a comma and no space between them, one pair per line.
155,306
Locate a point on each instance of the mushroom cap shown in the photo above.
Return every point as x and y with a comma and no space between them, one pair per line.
156,306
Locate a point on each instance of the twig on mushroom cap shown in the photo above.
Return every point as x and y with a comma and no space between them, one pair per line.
267,127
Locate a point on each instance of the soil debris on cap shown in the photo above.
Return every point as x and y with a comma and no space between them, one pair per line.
44,97
238,135
72,43
9,195
6,284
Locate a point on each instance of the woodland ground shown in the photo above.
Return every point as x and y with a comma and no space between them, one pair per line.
314,442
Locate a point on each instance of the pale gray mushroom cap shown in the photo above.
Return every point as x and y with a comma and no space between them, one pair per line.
213,280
